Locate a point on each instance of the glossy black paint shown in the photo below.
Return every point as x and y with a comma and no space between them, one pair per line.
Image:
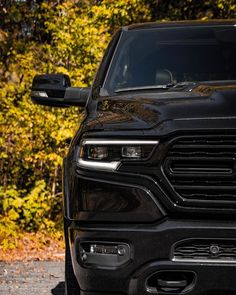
144,211
151,116
170,24
151,248
155,109
104,200
57,92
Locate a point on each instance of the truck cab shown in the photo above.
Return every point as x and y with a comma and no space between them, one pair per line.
150,176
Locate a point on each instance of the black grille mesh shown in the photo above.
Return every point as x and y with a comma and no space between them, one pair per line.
206,250
203,168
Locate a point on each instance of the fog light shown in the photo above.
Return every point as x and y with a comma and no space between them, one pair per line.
104,254
121,250
131,152
107,249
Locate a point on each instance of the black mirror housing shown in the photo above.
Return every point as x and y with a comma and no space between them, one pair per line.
54,90
77,96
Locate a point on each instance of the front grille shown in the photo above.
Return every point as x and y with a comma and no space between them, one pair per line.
206,250
203,168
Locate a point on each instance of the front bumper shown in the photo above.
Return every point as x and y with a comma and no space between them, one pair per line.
151,248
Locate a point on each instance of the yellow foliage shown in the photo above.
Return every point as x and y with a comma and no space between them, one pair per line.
34,139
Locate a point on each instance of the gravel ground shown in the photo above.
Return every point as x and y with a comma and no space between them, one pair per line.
36,277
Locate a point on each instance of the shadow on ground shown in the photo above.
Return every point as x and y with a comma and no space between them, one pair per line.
59,289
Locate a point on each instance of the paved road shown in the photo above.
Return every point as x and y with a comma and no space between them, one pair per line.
37,278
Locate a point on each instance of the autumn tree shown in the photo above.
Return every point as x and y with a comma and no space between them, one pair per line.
67,37
71,39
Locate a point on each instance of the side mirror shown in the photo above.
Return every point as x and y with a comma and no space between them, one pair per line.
54,90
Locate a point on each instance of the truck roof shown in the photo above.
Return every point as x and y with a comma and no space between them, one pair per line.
164,24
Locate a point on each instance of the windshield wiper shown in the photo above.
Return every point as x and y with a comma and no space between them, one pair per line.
183,84
143,88
150,87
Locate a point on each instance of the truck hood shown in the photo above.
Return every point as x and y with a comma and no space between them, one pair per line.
148,110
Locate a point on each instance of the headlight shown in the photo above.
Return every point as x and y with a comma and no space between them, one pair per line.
108,154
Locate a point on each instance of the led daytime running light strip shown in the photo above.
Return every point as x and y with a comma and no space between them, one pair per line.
119,142
105,166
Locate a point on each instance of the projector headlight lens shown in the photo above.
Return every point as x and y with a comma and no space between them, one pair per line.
97,152
132,152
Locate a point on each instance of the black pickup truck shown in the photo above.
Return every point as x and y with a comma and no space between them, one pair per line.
150,177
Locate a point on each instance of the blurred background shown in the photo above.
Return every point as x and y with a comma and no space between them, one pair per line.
56,37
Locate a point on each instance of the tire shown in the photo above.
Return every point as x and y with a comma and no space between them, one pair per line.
71,284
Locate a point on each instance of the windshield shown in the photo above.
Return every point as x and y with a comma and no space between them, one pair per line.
166,56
